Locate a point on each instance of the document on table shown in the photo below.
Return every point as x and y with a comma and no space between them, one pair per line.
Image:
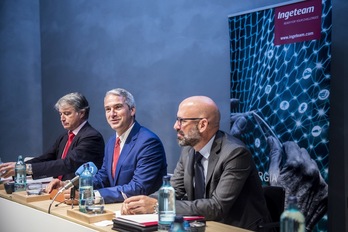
140,219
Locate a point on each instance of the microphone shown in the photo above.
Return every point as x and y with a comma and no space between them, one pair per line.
75,181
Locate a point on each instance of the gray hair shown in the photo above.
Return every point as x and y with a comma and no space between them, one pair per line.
76,100
129,99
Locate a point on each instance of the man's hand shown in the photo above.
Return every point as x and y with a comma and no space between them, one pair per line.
139,205
7,169
300,177
57,184
54,184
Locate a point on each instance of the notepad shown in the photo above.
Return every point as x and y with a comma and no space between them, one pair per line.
140,219
136,223
143,222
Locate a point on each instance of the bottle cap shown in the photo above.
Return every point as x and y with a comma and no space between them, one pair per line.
166,177
292,199
179,219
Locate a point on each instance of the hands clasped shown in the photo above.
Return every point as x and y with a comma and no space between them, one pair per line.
139,205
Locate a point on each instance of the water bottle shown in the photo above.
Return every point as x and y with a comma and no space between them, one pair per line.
166,205
292,220
178,224
20,175
85,188
187,226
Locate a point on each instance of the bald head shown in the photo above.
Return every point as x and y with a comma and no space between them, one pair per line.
202,107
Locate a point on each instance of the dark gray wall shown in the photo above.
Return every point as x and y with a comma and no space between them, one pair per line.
162,51
20,79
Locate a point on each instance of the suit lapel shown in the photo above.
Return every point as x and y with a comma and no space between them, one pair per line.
214,157
127,148
188,178
77,136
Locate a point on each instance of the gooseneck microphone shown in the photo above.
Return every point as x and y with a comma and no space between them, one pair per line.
74,182
70,183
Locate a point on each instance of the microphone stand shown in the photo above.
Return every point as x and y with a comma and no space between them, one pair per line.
55,196
59,203
72,196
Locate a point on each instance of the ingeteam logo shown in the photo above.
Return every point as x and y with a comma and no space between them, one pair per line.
298,22
295,12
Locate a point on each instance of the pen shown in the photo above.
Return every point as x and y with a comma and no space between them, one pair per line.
124,195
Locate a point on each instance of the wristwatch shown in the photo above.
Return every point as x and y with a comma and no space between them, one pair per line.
29,169
155,208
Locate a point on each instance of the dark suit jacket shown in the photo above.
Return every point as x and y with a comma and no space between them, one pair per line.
233,188
87,145
140,167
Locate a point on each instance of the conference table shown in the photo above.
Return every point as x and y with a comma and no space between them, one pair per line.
19,215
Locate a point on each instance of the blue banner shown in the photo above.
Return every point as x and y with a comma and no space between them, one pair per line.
280,96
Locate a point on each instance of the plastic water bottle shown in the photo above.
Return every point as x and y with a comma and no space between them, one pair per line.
187,226
166,205
85,188
20,175
292,220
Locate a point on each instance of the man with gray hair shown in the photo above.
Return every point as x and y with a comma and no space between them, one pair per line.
80,144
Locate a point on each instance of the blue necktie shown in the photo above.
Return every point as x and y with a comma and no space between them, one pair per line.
199,177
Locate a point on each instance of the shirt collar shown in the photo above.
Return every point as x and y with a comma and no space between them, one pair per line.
79,128
205,151
124,136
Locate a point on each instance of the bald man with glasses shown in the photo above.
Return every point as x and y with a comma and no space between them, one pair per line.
215,176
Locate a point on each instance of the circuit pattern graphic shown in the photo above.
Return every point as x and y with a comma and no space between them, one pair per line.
287,86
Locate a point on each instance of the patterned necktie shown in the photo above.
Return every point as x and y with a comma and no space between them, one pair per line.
116,155
199,177
66,148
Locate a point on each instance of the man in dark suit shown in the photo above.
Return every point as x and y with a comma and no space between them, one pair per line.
141,162
232,193
62,160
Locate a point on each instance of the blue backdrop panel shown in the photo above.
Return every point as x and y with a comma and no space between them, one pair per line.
283,91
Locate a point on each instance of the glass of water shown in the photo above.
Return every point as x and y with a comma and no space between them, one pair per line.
34,188
95,205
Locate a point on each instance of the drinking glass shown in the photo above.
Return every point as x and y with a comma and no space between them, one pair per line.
95,205
34,188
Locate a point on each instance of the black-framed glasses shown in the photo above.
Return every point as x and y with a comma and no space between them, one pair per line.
180,120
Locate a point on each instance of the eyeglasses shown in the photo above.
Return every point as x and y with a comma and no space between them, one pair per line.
180,120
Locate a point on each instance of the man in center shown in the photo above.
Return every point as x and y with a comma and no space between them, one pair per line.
231,191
